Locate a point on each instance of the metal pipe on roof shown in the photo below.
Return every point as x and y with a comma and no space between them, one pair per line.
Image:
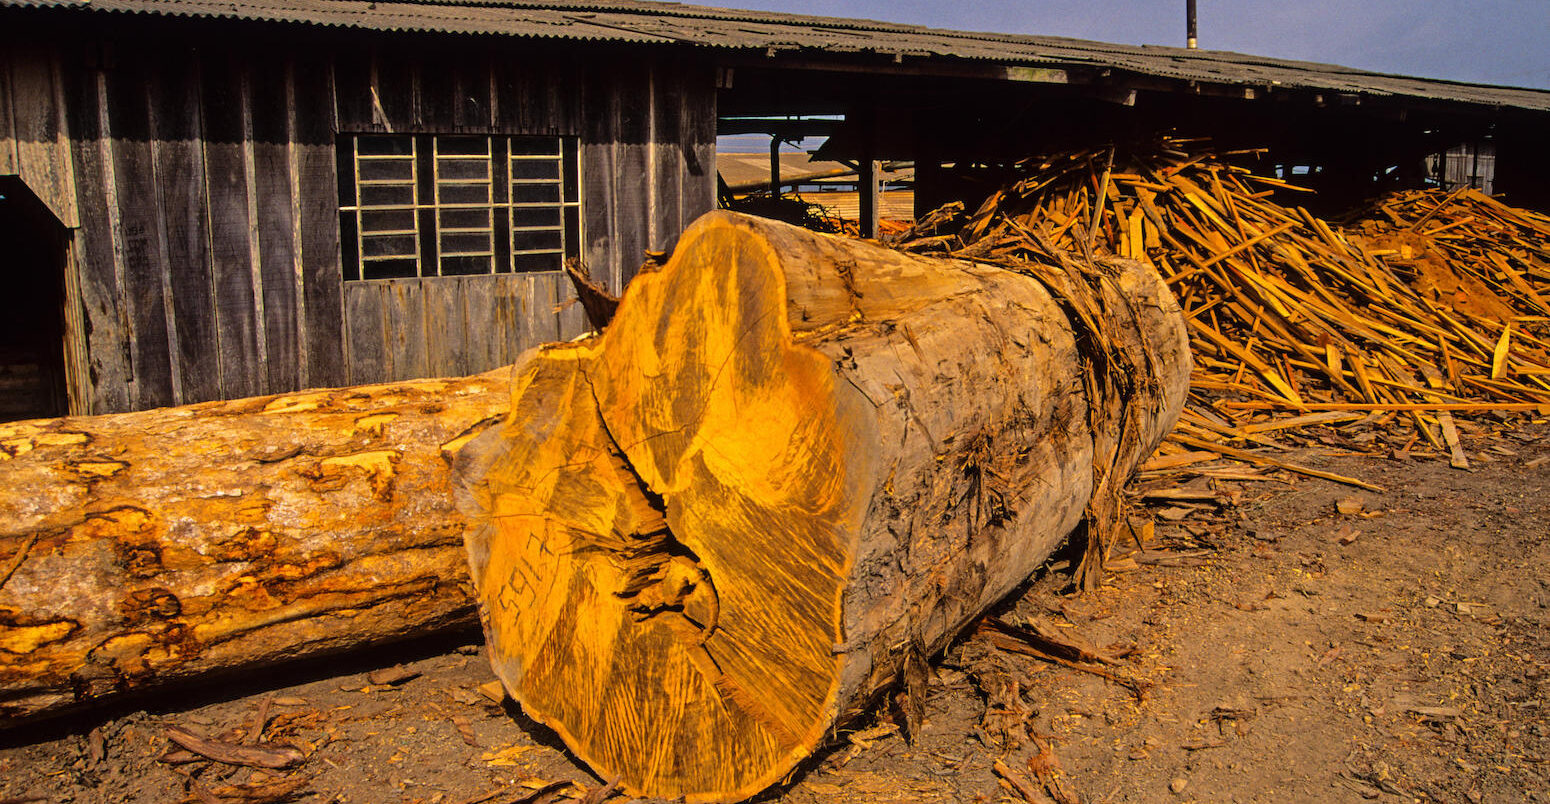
1190,41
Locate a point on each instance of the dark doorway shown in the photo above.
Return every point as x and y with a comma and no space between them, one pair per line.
32,329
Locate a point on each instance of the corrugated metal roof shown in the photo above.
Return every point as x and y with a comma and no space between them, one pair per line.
701,26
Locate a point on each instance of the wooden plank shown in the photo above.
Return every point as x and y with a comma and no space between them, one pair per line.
473,93
482,339
244,102
180,179
509,312
600,190
561,70
231,247
41,140
104,309
144,257
528,332
404,322
446,330
8,161
365,323
395,94
570,316
76,359
353,106
697,140
632,218
543,325
322,277
436,83
509,102
664,160
599,160
571,319
267,105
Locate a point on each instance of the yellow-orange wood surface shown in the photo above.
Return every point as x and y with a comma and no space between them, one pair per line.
180,543
791,464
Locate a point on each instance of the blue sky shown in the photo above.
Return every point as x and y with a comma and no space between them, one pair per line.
1485,41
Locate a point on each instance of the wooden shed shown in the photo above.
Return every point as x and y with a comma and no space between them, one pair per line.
225,208
206,199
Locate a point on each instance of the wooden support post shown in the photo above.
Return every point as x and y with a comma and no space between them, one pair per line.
867,186
869,189
774,166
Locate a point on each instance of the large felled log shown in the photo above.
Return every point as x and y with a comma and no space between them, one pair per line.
791,465
139,549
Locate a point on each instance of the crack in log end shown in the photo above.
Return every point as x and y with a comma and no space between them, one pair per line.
451,449
660,573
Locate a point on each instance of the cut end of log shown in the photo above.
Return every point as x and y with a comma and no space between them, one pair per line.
649,563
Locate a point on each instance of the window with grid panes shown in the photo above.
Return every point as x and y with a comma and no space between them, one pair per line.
425,205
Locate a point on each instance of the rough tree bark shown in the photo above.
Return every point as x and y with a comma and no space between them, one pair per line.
792,465
143,548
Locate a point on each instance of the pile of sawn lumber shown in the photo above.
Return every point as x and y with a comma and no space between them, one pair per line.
1427,304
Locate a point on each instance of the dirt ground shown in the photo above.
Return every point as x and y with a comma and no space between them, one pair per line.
1279,639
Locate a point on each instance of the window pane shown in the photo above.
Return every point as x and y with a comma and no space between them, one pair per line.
387,220
462,169
535,262
386,169
535,169
535,146
462,244
465,193
385,195
388,269
469,146
388,145
388,246
465,218
534,241
535,193
535,216
462,266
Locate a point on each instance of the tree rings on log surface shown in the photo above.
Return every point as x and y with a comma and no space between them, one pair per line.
791,464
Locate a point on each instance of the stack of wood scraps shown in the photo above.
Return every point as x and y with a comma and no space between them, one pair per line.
1428,306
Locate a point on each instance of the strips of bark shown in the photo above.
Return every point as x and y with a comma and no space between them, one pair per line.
252,756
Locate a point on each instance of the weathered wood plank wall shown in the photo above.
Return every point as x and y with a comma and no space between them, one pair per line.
199,161
33,140
649,158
